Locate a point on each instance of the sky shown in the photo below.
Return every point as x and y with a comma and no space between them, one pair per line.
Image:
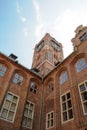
23,23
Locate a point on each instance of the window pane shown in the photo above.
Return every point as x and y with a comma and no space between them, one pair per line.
64,106
82,87
9,97
64,116
29,122
16,76
63,98
31,106
51,122
48,116
84,95
26,112
51,115
19,82
48,124
15,99
35,91
24,121
85,107
20,77
30,114
69,104
10,116
70,113
4,113
7,104
13,106
27,105
68,95
14,80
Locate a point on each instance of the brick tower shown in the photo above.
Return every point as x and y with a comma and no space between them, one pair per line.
48,52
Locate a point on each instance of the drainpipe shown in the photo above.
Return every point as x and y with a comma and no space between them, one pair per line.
41,104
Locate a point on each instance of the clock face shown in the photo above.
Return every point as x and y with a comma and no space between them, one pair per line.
40,46
55,46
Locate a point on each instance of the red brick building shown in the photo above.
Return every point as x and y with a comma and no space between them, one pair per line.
50,96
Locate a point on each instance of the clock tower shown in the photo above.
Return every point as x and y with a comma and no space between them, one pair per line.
47,54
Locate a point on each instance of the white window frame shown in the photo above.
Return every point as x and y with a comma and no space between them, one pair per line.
49,119
9,109
28,112
67,109
81,96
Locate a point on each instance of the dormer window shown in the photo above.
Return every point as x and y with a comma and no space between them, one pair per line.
17,79
83,37
2,70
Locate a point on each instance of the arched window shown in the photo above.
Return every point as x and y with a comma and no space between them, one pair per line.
33,87
63,77
2,70
80,64
17,79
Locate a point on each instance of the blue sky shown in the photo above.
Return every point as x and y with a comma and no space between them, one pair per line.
24,22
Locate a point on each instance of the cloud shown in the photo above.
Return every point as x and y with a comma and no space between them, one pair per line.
39,24
23,19
19,11
26,32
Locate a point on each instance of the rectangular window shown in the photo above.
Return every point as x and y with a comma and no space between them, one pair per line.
28,115
2,70
9,107
50,120
83,95
66,105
